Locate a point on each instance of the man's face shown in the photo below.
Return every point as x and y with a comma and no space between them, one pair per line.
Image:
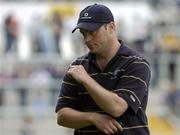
95,40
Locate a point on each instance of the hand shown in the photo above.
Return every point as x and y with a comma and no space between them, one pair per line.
106,123
78,73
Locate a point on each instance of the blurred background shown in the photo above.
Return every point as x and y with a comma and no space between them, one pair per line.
36,47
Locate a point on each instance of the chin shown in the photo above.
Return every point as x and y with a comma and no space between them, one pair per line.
93,51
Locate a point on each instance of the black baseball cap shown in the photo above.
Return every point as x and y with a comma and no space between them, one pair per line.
93,17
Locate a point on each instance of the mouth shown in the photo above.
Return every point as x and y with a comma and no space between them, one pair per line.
91,47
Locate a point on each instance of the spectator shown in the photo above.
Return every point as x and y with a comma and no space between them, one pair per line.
11,33
173,99
172,47
43,40
27,127
1,96
57,26
40,81
156,63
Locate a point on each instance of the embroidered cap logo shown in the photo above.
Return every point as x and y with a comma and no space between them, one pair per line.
86,14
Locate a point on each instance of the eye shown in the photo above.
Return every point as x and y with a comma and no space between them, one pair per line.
85,33
92,33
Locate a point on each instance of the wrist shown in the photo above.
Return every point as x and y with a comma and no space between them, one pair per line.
91,117
85,80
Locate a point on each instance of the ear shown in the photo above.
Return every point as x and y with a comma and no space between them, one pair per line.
111,27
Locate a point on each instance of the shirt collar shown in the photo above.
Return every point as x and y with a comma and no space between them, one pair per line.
123,49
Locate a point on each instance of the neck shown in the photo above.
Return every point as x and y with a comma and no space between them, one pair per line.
103,58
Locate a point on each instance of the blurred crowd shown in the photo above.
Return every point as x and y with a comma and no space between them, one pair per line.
36,79
44,33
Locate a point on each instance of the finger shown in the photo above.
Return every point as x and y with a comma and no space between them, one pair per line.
70,70
110,131
73,66
114,128
106,131
118,125
80,66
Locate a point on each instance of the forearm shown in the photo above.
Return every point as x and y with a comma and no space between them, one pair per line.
71,118
68,117
106,100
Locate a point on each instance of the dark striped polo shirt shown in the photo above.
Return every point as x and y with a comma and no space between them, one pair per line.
127,75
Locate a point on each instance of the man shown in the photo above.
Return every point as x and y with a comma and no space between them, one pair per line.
106,90
11,31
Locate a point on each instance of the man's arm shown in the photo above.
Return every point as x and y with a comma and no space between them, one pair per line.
106,100
71,118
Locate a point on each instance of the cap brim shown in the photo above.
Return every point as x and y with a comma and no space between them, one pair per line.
88,26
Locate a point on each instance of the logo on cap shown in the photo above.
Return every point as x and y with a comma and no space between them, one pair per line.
86,16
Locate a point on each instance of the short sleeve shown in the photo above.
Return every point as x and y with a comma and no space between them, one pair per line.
133,84
68,94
